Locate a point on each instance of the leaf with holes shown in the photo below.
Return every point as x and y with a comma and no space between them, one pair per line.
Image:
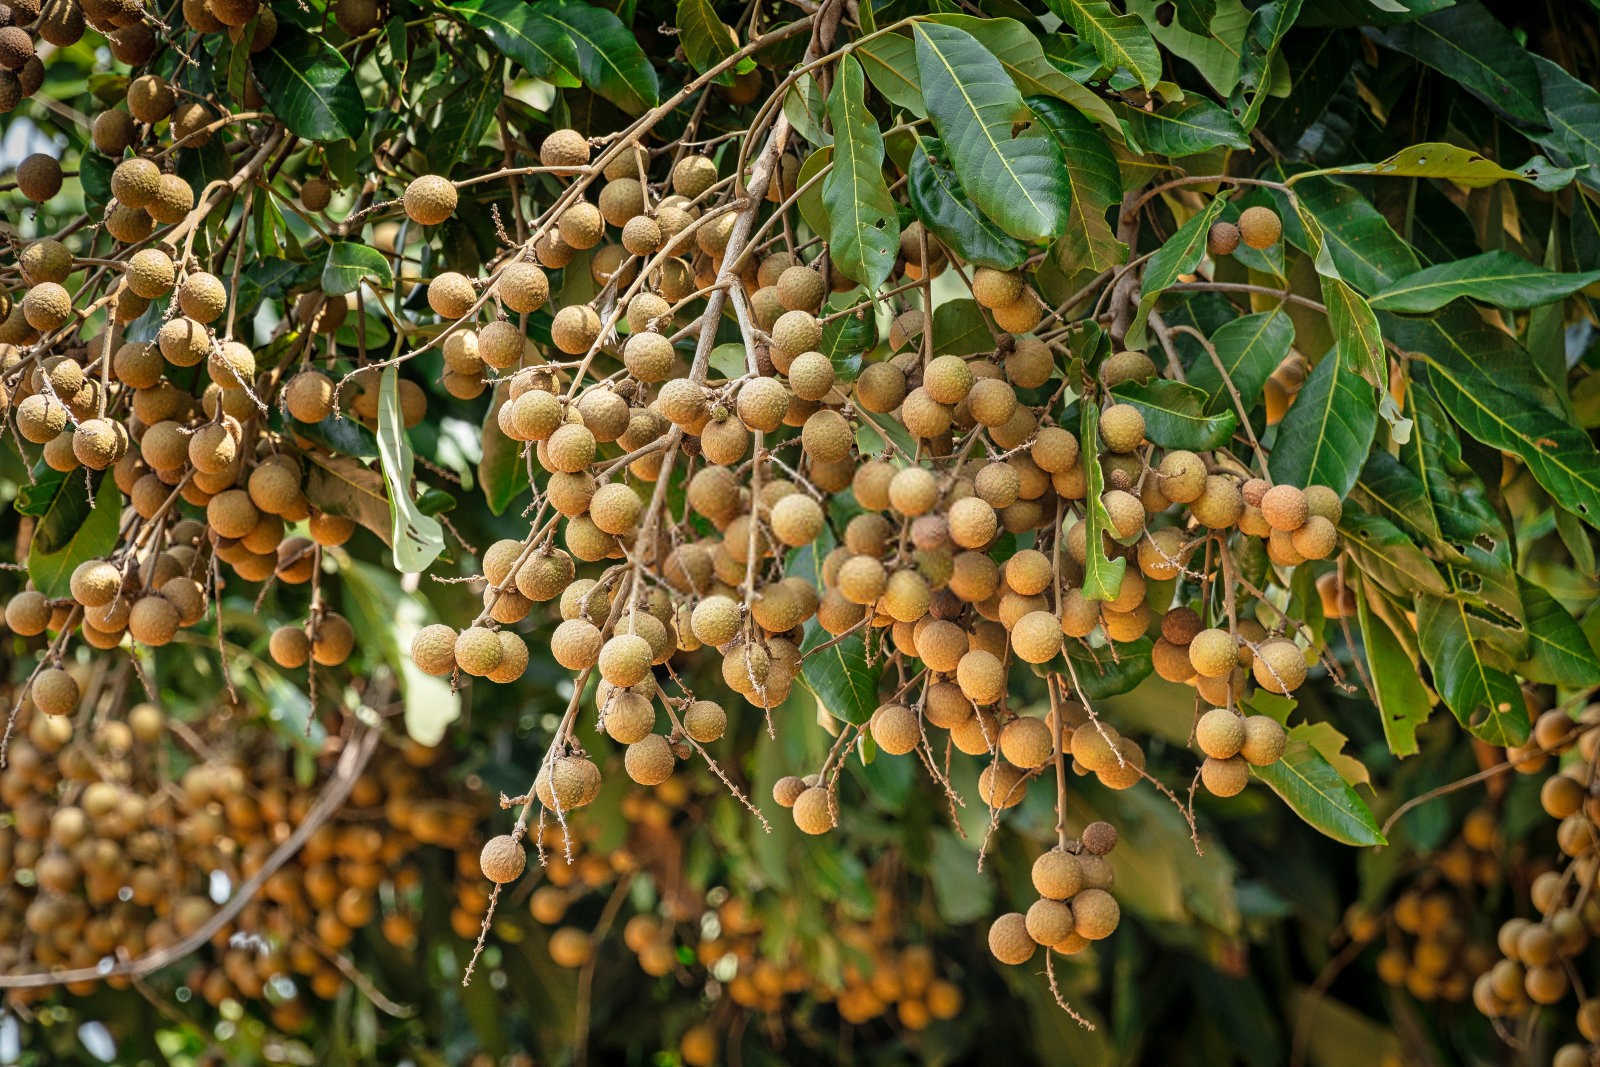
1460,165
863,229
1018,181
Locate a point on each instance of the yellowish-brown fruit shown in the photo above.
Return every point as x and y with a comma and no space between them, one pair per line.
430,199
1260,227
502,859
811,811
1008,939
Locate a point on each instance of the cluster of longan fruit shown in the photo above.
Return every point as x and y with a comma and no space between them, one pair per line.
1540,955
1075,907
1428,947
106,858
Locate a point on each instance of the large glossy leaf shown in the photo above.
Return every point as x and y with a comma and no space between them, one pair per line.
946,210
1485,699
890,61
310,87
1250,348
844,683
1192,125
1403,701
349,263
1471,48
1180,255
1110,670
1356,333
416,539
1572,108
1364,247
501,472
610,60
806,109
1088,243
706,39
69,529
1262,38
1019,52
1500,278
1503,405
1213,48
863,229
1018,181
1175,415
1313,789
1102,577
846,338
1121,41
810,201
1387,555
1558,651
1324,437
1460,165
526,33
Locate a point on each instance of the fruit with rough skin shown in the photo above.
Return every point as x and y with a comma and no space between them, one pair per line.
430,199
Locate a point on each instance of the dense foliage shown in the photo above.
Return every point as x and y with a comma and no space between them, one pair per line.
547,532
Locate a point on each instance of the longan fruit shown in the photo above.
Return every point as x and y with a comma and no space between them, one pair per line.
1220,733
54,692
1260,227
433,649
1027,742
895,729
1222,238
1225,777
1122,428
477,650
811,810
880,388
786,790
1213,653
625,659
1095,913
995,288
705,721
451,295
1264,741
153,621
1279,666
1008,939
693,175
39,177
826,437
1285,508
1036,638
565,150
430,199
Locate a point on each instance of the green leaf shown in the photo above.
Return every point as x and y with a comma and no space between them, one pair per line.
1499,403
1185,128
706,39
1355,331
1213,48
1088,243
1500,278
310,87
1181,254
1175,415
1558,651
1102,577
464,117
946,210
1268,24
1250,348
416,539
389,618
343,485
1441,160
1018,181
863,229
962,892
845,685
1471,48
610,60
1324,436
959,329
1121,41
810,201
890,61
1485,699
846,338
1110,670
70,531
1387,555
1364,247
1403,701
805,107
527,34
1020,53
1314,791
349,262
1572,108
501,471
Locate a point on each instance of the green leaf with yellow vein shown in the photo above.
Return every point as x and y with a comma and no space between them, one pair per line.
610,60
863,228
1504,405
1460,165
1102,577
1214,50
1558,651
1181,254
1404,703
1019,52
1088,243
890,62
1476,52
1572,109
1263,36
310,87
939,201
1018,181
1485,700
1367,251
526,34
1121,41
1499,277
1250,348
1324,437
1314,790
1384,553
1184,128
